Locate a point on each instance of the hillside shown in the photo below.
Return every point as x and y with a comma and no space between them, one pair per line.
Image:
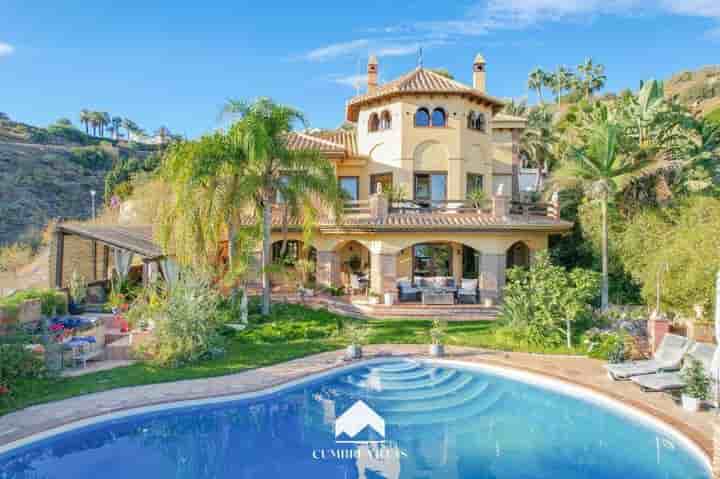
48,173
698,89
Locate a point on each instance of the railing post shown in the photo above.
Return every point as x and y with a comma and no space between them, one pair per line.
500,204
379,206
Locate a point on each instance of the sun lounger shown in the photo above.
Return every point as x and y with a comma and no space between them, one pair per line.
707,354
668,357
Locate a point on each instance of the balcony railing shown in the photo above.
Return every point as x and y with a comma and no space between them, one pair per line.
429,206
525,209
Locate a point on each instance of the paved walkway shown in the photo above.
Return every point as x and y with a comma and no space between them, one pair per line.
582,371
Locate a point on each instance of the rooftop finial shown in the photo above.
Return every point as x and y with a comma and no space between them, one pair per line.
420,57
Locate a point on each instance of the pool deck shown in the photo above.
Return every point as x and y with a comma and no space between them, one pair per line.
585,372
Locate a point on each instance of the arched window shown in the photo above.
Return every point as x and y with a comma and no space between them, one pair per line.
438,117
385,120
422,117
476,121
518,255
374,122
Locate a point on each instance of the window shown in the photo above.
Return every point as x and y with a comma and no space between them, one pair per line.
385,180
350,185
432,260
422,117
385,120
292,252
476,121
474,183
430,186
284,180
471,263
438,117
374,122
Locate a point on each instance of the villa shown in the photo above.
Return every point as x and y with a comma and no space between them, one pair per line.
436,141
413,230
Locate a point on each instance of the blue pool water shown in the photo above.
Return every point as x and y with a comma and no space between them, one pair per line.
440,422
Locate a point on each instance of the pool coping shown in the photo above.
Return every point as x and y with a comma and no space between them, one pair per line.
693,439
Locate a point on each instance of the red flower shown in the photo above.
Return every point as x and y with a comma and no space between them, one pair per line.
4,390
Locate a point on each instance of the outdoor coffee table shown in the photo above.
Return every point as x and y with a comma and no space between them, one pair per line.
438,297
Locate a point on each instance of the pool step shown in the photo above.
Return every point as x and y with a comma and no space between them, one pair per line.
387,385
470,392
449,387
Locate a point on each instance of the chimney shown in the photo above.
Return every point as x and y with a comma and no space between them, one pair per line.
479,73
372,74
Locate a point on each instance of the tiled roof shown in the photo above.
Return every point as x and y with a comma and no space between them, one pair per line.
509,118
419,80
426,221
138,239
336,143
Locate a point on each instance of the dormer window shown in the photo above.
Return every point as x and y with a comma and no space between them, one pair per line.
374,122
476,121
385,120
422,117
439,118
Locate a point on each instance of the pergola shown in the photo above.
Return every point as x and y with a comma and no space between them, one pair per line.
84,247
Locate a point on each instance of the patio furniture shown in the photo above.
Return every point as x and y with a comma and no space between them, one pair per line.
469,293
662,381
438,297
407,292
668,357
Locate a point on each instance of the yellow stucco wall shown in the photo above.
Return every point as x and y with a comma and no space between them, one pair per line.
455,149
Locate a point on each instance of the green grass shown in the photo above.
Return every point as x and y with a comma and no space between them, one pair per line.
714,116
291,332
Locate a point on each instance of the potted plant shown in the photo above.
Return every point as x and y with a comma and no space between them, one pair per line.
78,294
374,298
356,333
697,386
438,333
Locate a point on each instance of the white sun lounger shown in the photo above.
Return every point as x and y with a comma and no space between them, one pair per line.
668,357
707,354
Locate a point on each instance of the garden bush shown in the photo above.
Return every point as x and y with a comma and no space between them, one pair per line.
545,300
52,301
18,363
187,324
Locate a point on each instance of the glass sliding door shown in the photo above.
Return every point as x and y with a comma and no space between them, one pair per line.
351,186
430,187
432,259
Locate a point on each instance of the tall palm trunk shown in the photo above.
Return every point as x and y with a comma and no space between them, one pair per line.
604,292
267,225
540,96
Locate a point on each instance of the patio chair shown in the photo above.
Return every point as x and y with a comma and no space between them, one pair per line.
668,357
407,292
468,292
662,381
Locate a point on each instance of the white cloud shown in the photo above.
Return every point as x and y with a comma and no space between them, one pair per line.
336,50
354,81
6,49
695,8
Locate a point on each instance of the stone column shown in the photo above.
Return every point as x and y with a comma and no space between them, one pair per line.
328,268
492,276
500,204
383,273
379,206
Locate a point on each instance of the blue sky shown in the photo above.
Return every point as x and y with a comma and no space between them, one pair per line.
174,63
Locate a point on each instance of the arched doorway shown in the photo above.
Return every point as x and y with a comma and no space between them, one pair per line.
293,262
518,255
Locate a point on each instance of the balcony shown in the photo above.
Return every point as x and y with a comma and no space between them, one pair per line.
495,206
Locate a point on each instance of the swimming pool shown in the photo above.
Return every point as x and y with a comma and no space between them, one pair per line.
387,419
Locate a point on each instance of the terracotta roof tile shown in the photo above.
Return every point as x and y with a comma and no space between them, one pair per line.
340,143
419,80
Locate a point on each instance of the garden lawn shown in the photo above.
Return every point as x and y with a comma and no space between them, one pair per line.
291,332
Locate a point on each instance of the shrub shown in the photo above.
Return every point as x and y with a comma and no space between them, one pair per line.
67,132
607,345
52,301
545,300
187,324
91,157
17,362
697,383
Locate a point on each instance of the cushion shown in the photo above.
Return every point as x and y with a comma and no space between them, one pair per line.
469,284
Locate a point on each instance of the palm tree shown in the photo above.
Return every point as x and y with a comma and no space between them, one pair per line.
516,108
600,166
95,120
130,126
115,122
537,81
562,81
85,117
104,120
537,142
300,176
593,77
164,133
